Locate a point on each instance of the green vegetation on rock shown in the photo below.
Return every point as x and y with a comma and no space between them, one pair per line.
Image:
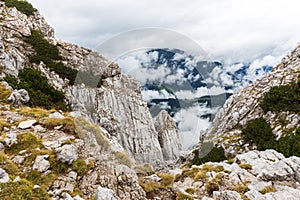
259,132
21,5
216,154
282,98
49,54
40,92
22,189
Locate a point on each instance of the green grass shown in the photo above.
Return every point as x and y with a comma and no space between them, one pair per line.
21,190
4,94
21,5
267,189
27,141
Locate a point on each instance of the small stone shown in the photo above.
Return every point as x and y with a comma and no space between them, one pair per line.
77,197
4,178
10,139
36,186
17,179
26,124
40,164
18,159
67,196
56,115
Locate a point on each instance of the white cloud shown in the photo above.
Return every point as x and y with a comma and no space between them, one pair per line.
190,124
154,94
231,30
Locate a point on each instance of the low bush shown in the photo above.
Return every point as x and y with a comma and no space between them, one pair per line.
216,154
21,5
289,144
40,92
80,167
49,54
245,166
258,132
282,98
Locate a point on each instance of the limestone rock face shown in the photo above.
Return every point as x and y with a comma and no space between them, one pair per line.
167,136
243,105
123,113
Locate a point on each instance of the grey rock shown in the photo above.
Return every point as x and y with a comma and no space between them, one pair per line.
226,195
4,178
56,115
1,146
18,98
18,159
153,177
67,196
67,153
26,124
41,164
105,194
77,197
10,139
168,136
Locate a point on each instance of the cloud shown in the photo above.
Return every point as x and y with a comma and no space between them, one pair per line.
190,124
231,31
154,94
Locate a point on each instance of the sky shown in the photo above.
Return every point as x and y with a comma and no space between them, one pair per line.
229,30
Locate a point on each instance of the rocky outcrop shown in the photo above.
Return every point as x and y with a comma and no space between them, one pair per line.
18,98
167,136
243,106
253,175
115,102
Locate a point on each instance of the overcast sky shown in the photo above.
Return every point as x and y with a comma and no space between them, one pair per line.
229,30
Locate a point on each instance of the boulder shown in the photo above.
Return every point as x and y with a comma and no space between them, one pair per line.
41,164
18,98
26,124
67,153
56,115
105,194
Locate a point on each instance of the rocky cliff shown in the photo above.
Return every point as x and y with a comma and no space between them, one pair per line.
244,106
116,105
